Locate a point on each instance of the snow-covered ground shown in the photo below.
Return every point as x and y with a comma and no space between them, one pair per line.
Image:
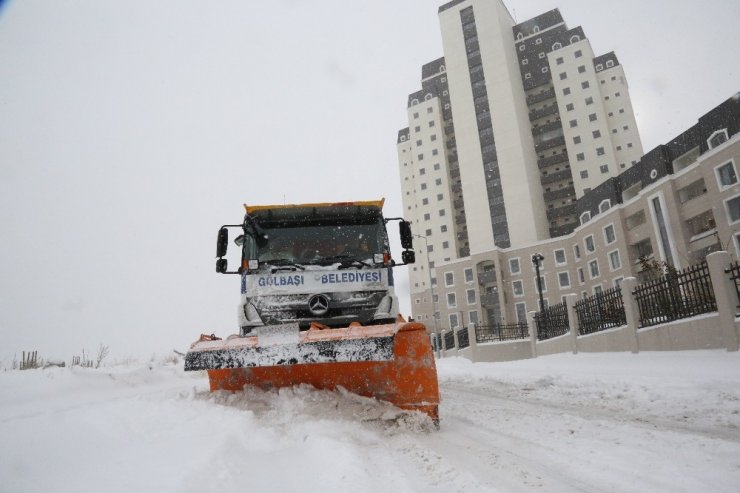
586,422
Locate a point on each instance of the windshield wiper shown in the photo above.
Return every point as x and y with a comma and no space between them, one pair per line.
283,262
345,261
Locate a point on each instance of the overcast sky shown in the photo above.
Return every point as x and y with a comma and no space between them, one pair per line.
131,130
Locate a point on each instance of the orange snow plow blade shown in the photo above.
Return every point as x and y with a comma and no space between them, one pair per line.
392,362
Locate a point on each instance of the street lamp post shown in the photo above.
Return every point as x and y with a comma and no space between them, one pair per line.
431,286
537,258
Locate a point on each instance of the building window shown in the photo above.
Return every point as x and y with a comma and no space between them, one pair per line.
471,296
558,60
449,279
569,106
592,117
599,67
578,53
584,174
454,323
473,317
521,313
527,75
581,276
517,288
435,152
577,139
609,63
468,275
733,209
726,174
573,123
426,217
430,248
596,134
441,213
424,201
717,138
566,91
423,186
541,55
445,244
451,300
564,279
559,257
604,169
544,70
563,75
443,228
585,217
522,47
599,151
614,260
514,266
581,69
593,269
589,243
575,38
581,157
416,115
440,197
609,235
585,85
577,251
430,109
418,143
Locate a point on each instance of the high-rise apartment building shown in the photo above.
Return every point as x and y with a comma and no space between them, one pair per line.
511,126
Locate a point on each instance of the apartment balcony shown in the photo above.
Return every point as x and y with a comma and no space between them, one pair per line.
549,144
487,277
542,112
456,188
459,204
451,143
550,160
547,127
562,211
489,299
563,174
559,194
460,219
462,236
538,98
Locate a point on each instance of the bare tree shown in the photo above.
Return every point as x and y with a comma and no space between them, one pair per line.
102,354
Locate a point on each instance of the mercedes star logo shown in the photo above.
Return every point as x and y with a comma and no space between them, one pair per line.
318,304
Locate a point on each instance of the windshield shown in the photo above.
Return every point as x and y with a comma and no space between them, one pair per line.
321,244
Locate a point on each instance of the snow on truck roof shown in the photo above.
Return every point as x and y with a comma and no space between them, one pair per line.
368,203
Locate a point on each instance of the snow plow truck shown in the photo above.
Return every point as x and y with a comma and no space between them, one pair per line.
318,307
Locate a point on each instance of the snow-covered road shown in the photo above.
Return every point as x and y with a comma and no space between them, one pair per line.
587,422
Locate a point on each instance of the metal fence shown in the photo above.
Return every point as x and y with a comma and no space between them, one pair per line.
552,322
501,332
601,311
676,295
463,340
734,271
449,340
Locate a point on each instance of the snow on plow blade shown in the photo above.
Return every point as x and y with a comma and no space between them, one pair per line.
392,362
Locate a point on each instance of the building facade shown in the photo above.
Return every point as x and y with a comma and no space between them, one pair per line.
677,204
511,127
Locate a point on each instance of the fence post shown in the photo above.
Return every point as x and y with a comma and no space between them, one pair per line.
631,312
725,295
570,301
532,332
473,342
454,338
442,345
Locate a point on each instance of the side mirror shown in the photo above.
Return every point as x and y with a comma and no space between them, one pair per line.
221,266
239,240
407,239
408,256
222,243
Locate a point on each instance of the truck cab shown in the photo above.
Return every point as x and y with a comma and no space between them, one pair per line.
316,263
